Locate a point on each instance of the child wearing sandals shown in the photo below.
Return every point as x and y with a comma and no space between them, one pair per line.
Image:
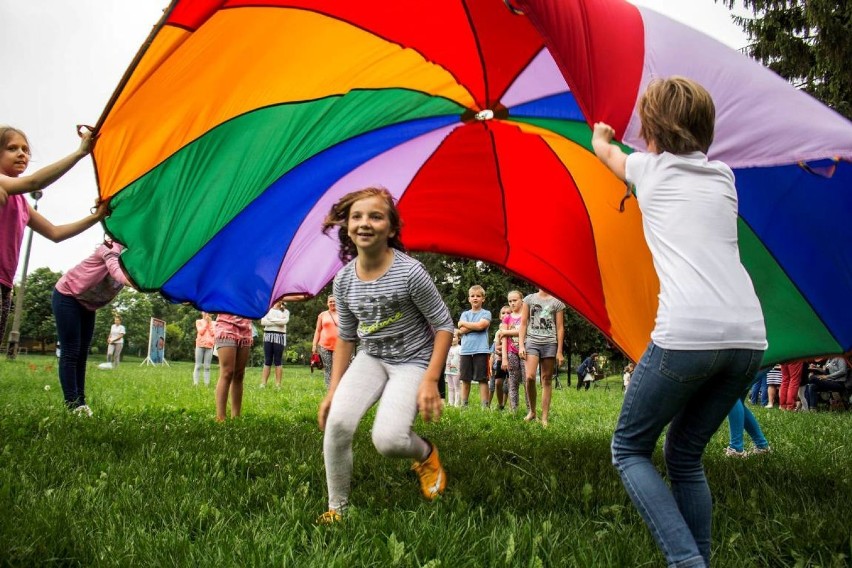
387,302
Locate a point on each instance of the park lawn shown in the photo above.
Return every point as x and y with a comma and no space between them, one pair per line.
152,480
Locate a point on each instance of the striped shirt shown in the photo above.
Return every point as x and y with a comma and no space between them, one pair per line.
773,377
395,317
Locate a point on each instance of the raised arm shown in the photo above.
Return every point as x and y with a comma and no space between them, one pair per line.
611,155
48,174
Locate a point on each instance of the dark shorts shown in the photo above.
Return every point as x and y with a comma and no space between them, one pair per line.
497,370
474,368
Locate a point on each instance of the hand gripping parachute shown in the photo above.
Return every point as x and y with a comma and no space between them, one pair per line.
241,122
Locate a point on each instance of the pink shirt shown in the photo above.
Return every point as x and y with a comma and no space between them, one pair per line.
206,333
234,328
512,322
95,281
14,217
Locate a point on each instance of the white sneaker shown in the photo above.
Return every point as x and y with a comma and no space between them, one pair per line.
83,410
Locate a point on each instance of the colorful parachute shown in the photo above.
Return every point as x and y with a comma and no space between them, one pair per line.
242,121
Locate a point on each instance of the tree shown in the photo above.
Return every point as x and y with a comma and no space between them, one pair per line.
37,315
805,41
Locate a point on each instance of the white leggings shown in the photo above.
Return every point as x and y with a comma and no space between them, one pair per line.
367,380
203,357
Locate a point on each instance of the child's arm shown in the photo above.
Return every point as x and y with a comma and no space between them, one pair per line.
560,336
50,173
611,155
428,397
522,331
468,326
504,348
57,233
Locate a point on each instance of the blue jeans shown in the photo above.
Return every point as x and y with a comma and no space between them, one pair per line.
740,418
760,389
75,325
691,392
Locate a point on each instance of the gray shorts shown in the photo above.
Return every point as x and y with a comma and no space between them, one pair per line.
225,342
546,351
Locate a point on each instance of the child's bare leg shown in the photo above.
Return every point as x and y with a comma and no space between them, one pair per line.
484,393
501,396
242,357
530,366
264,375
227,360
465,392
279,370
546,387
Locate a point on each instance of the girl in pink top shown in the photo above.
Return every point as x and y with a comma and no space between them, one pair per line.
205,339
509,336
16,213
325,337
90,285
233,342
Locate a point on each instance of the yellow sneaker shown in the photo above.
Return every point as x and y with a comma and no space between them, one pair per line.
329,518
433,479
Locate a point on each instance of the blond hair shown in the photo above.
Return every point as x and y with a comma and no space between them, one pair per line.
476,288
677,115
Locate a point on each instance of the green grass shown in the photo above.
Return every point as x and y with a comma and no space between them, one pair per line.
151,480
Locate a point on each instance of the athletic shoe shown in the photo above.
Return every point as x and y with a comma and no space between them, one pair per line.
83,410
329,518
433,479
760,451
732,453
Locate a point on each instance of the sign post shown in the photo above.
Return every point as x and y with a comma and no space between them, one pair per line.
156,344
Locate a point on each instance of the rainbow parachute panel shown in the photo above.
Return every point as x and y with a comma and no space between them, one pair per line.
241,122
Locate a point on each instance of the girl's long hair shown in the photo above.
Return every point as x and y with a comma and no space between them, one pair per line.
338,217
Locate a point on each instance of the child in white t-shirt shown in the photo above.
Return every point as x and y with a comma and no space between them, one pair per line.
709,336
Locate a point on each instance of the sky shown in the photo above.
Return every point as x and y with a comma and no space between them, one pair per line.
63,59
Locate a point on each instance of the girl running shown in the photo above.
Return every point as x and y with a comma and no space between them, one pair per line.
387,302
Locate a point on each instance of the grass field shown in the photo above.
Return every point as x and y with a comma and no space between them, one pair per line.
151,480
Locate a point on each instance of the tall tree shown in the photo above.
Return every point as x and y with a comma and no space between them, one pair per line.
37,315
805,41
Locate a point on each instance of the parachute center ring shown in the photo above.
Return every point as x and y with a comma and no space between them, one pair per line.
486,114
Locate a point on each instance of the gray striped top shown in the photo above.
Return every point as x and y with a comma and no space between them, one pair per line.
395,317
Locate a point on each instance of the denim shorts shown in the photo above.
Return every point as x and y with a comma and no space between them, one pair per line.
545,351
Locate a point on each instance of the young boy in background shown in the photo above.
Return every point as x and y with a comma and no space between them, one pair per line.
475,347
